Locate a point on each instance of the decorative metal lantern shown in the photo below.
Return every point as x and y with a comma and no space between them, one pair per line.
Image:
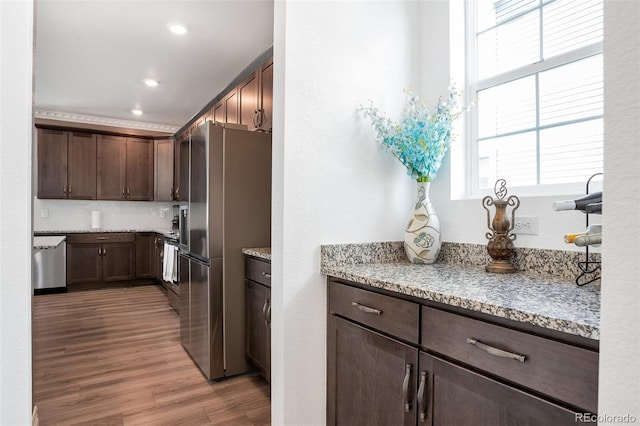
500,245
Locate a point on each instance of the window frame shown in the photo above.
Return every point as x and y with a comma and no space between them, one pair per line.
473,86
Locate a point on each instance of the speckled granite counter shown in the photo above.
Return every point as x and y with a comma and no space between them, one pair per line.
165,232
44,243
545,301
262,253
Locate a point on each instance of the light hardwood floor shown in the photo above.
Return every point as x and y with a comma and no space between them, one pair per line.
113,357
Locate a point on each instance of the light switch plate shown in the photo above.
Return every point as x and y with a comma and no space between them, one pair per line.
44,213
526,225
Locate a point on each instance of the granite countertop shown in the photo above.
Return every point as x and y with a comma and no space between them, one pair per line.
43,243
262,253
545,301
167,233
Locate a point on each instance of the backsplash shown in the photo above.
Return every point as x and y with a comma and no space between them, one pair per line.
75,215
557,263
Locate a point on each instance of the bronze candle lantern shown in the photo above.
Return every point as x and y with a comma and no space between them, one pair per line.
500,245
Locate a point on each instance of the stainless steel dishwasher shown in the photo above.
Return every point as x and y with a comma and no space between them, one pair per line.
49,264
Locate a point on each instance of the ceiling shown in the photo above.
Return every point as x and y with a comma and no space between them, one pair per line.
91,56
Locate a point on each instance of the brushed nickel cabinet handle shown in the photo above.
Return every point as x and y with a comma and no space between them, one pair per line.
69,193
264,309
64,190
123,195
421,396
366,309
495,351
266,274
102,238
256,119
128,192
405,388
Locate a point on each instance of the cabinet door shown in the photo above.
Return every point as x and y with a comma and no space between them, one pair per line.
231,107
82,156
267,373
145,255
266,95
139,169
52,163
176,167
370,378
118,260
248,102
256,305
452,395
219,112
111,167
163,170
84,264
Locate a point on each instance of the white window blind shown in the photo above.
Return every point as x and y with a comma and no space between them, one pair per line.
538,84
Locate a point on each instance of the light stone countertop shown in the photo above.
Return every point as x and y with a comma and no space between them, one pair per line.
43,243
545,301
166,232
262,253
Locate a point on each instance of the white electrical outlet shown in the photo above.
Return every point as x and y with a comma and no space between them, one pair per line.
44,213
526,225
162,212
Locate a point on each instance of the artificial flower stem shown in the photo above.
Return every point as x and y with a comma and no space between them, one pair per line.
423,179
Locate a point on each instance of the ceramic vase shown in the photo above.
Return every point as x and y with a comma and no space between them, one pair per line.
422,234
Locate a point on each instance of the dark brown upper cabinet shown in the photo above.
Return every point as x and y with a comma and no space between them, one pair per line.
66,165
265,106
255,97
125,168
164,189
248,100
231,106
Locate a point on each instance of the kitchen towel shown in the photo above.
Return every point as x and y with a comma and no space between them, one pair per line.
95,219
167,263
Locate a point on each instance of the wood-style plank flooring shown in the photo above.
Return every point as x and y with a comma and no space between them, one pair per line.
113,357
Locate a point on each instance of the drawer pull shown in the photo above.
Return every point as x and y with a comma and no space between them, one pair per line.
422,396
366,309
495,351
102,238
405,388
266,274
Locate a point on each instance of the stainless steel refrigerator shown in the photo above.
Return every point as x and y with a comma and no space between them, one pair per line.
225,188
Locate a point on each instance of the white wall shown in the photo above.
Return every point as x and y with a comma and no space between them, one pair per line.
75,215
619,387
16,50
332,182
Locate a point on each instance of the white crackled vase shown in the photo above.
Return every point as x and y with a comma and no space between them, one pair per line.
422,235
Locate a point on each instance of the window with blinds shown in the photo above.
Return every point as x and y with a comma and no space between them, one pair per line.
536,76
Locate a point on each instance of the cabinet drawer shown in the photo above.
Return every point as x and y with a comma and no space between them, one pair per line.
396,317
258,271
559,370
101,237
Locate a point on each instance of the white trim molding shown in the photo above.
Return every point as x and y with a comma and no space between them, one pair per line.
115,122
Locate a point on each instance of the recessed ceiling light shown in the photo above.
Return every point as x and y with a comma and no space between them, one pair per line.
136,111
177,29
151,82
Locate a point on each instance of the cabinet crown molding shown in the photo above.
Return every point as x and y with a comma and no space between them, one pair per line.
90,119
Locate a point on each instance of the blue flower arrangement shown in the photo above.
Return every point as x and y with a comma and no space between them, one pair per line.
422,138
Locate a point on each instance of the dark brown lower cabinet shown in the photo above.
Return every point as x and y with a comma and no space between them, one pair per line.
257,302
93,259
257,308
449,394
462,370
84,263
146,255
371,378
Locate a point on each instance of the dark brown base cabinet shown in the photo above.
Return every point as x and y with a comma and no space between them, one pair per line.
393,361
258,315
